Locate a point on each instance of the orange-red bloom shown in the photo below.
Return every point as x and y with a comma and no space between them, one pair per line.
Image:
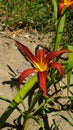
42,62
63,4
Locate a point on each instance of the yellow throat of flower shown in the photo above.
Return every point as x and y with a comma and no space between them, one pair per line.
42,67
68,2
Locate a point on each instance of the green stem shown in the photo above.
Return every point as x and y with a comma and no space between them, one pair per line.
60,27
55,6
50,100
26,124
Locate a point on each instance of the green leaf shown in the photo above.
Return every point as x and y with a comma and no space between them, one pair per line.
59,31
55,6
22,92
69,80
70,61
26,88
40,122
69,67
35,99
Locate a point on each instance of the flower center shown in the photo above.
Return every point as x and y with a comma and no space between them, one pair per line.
68,2
42,66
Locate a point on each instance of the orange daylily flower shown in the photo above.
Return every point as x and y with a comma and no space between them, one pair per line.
42,62
68,2
63,4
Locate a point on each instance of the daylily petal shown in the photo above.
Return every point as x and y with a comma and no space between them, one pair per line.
26,52
68,2
41,54
58,67
24,74
64,3
50,56
42,77
71,6
60,7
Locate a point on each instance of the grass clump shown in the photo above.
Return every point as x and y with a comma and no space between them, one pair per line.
27,13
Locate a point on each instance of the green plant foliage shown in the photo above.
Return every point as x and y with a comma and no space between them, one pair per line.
68,28
41,14
17,99
70,67
33,13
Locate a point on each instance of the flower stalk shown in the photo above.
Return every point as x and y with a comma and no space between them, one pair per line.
55,7
26,123
42,64
59,31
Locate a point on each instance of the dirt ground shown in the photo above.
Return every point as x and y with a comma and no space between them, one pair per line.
12,62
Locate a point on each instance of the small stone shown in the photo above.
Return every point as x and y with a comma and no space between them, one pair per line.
2,27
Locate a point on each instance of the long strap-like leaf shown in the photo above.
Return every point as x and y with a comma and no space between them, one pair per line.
22,92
